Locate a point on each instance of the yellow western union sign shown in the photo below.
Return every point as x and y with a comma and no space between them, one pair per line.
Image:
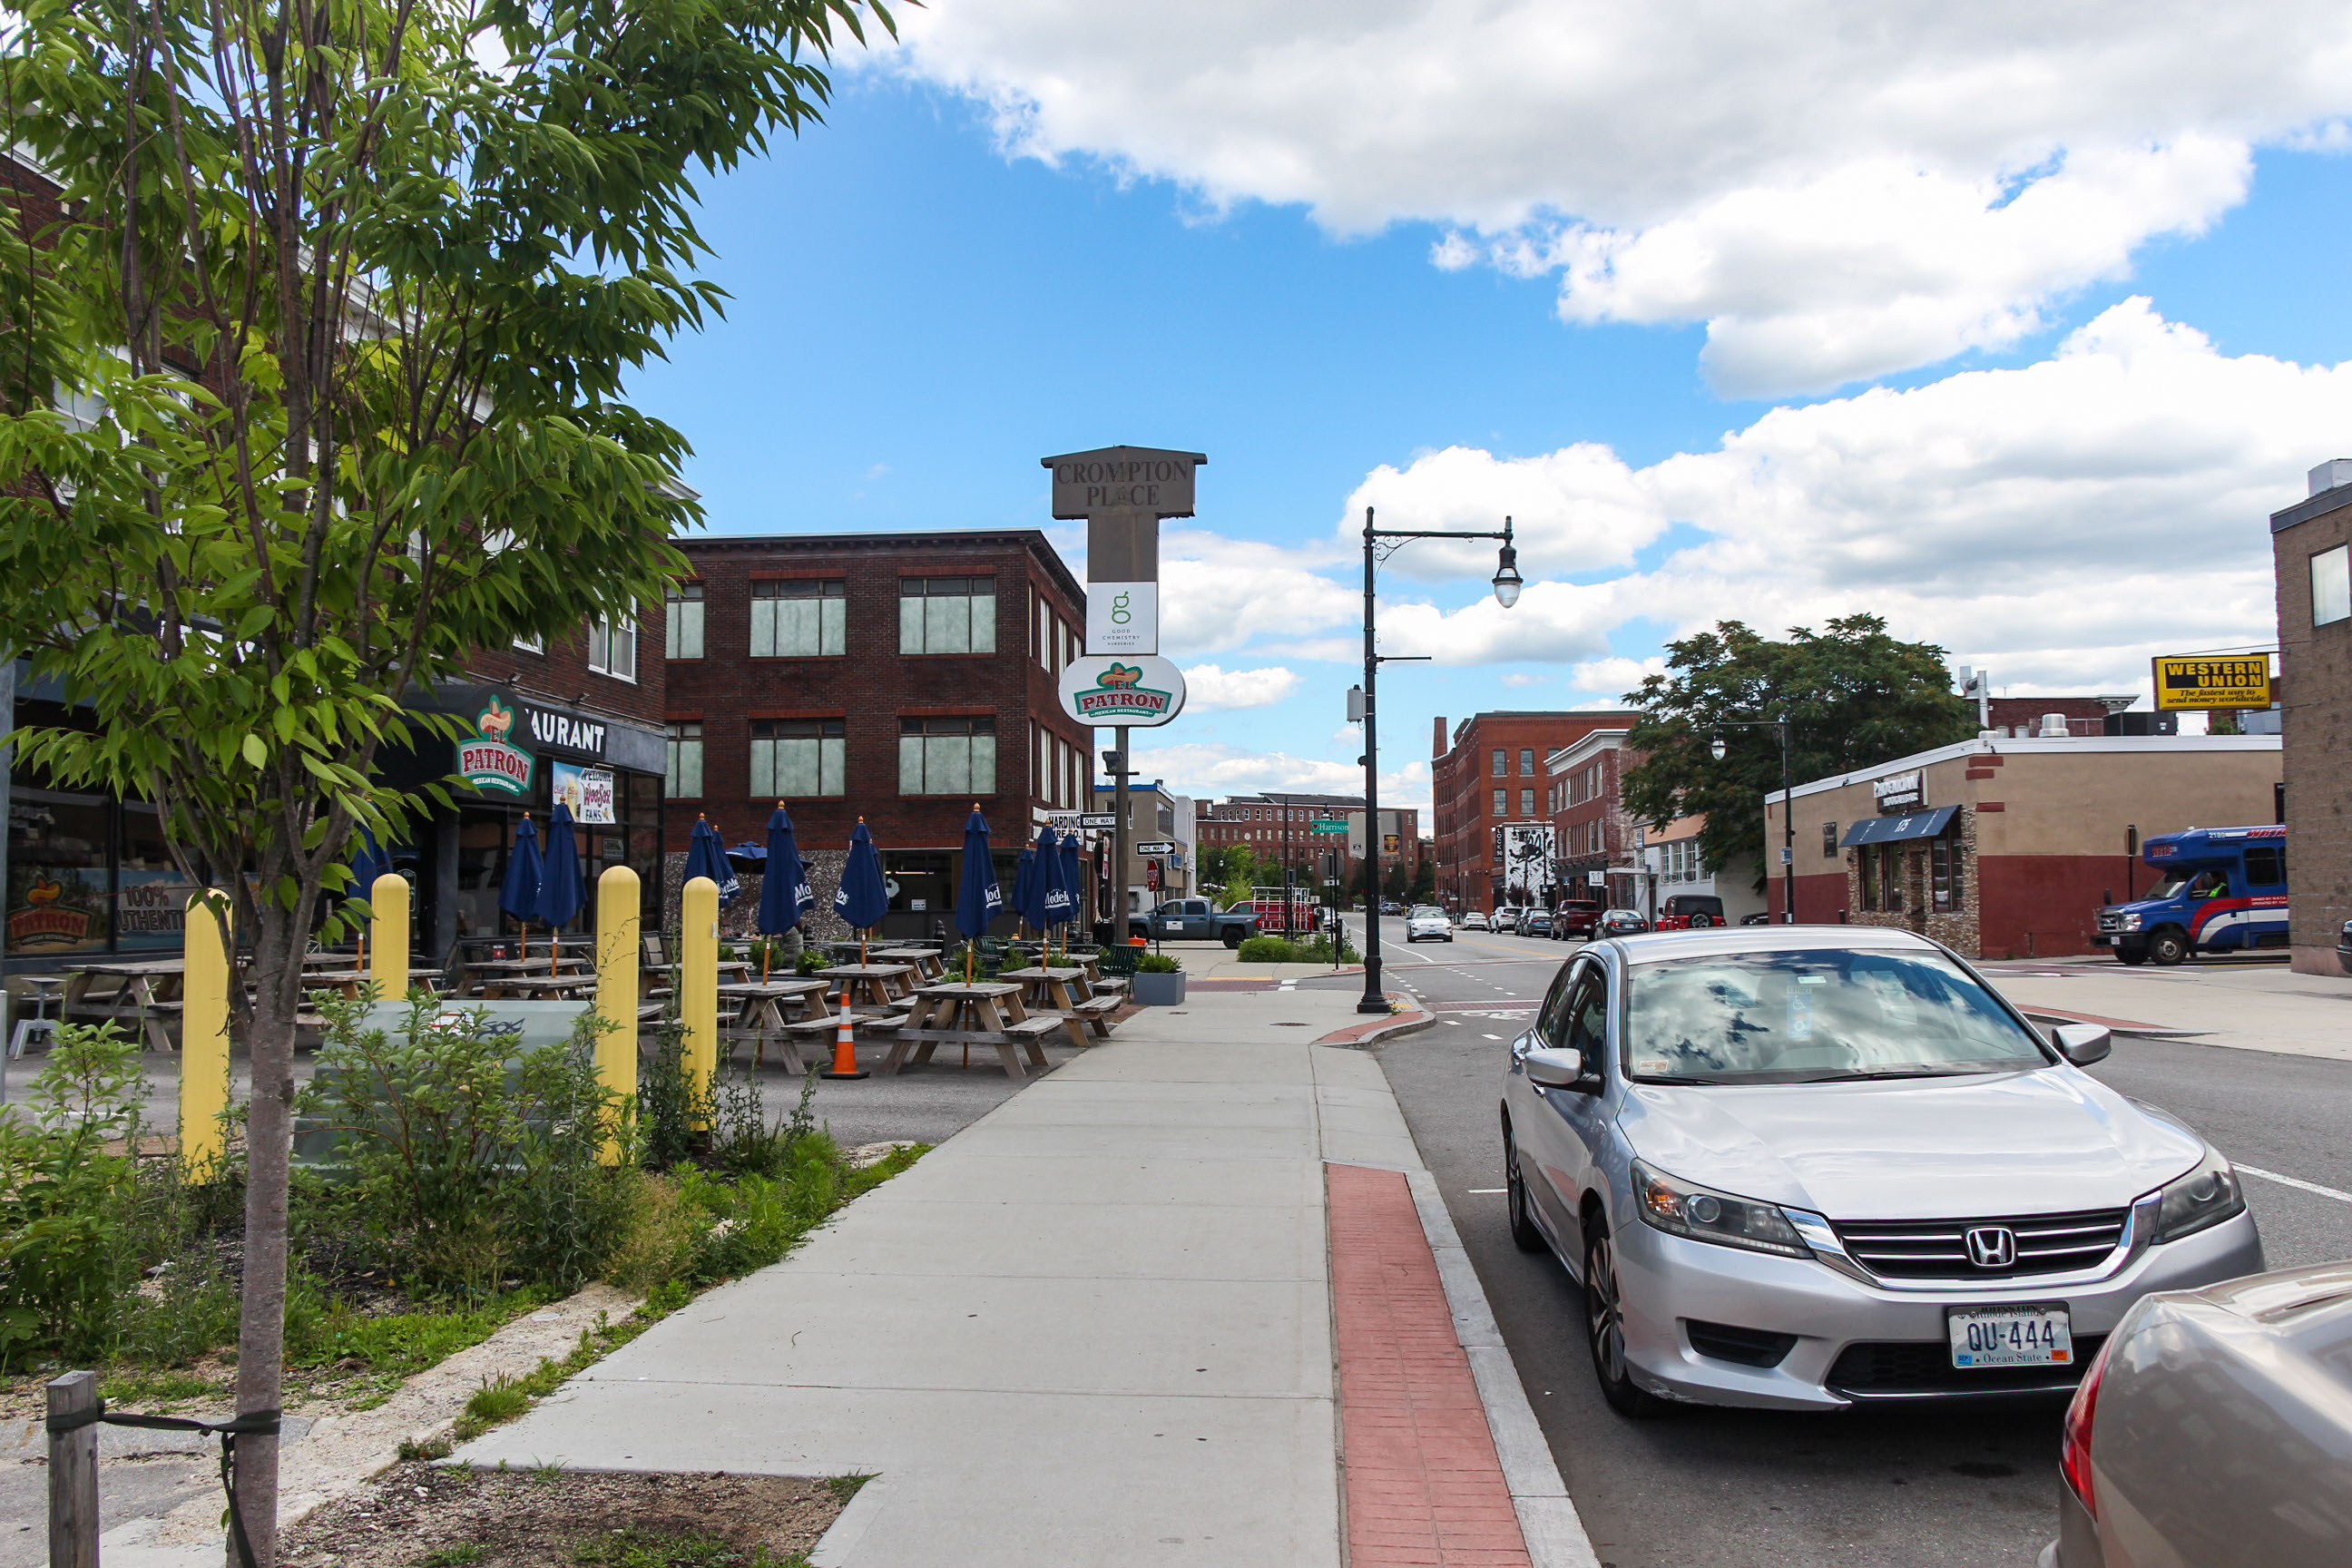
2243,682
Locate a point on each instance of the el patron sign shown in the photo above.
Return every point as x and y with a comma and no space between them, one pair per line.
1145,689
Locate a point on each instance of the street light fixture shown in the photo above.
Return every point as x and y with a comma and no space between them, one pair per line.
1506,585
1788,804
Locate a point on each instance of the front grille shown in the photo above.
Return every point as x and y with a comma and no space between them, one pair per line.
2110,922
1746,1347
1895,1367
1938,1248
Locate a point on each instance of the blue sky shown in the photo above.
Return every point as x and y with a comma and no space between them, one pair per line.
923,305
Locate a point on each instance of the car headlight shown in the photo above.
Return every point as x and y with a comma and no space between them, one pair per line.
2127,922
1702,1214
2204,1197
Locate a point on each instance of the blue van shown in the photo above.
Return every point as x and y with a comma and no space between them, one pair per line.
2217,889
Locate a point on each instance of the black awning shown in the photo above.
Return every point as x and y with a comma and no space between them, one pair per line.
1887,829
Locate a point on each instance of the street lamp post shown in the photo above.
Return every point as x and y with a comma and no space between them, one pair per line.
1787,806
1507,584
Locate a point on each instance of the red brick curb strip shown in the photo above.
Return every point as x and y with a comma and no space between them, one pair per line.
1376,1029
1424,1488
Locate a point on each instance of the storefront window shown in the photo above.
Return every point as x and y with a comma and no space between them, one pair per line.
59,876
151,897
1890,878
1945,869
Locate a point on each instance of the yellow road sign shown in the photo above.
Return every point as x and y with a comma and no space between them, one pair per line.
2242,682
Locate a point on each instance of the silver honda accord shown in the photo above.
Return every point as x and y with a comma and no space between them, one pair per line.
1806,1168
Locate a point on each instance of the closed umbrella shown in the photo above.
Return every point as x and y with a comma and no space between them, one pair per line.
559,877
705,859
784,895
1072,884
518,894
862,899
1051,896
978,899
1024,888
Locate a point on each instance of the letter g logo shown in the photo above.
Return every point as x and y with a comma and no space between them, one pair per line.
1119,613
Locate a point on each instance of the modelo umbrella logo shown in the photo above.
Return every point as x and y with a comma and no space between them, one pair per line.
487,762
1136,688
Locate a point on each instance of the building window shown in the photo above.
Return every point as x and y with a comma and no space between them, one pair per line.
948,756
612,646
1943,874
531,644
799,618
1890,878
683,776
947,615
798,758
682,605
1501,810
1502,761
1866,863
1829,839
2331,585
1527,802
1527,761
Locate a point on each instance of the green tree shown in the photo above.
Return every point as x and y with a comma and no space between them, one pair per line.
1854,697
353,288
1425,880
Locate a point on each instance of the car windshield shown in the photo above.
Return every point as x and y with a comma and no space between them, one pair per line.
1815,1016
2168,885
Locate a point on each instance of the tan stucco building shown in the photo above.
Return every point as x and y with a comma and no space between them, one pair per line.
2005,848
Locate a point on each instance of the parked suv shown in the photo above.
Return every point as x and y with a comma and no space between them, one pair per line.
1691,911
1576,918
1536,923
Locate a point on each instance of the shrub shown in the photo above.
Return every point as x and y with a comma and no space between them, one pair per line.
1161,963
1282,950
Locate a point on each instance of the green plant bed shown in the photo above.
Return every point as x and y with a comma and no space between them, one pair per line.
1282,950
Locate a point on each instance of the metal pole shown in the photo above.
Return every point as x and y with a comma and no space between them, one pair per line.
1375,1000
1787,835
1118,837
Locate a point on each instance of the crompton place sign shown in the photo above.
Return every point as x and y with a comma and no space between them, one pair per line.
1123,478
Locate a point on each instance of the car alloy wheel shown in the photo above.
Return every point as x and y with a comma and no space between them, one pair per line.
1605,1331
1524,1234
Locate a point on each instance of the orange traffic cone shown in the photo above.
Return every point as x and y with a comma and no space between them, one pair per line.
845,1046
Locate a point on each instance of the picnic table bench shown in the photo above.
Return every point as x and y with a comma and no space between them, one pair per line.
1047,988
981,1013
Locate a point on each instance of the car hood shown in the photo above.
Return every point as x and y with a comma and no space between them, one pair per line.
1986,1144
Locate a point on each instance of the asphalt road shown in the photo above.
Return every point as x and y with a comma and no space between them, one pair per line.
1719,1488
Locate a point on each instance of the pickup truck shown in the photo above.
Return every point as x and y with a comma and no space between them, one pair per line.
1193,919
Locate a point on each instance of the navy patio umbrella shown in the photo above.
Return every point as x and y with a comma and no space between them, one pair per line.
705,859
1050,896
978,898
784,895
862,899
560,895
1072,884
518,894
1025,888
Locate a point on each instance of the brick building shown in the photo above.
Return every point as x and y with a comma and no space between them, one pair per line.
1590,829
1492,772
898,678
1279,828
2310,543
2004,846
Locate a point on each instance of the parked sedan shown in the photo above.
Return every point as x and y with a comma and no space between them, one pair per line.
1807,1168
1428,923
1620,922
2216,1426
1474,919
1536,923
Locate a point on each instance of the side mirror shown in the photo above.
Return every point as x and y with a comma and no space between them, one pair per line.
1561,1070
2083,1043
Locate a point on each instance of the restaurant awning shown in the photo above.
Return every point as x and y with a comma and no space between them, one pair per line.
1887,829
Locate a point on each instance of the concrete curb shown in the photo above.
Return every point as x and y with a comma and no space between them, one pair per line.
849,1528
1356,1037
2115,1025
1548,1517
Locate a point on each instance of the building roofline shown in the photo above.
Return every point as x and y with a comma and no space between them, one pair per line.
1590,740
1033,540
2310,507
2022,746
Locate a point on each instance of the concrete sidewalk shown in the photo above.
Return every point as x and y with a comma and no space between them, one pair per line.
1096,1327
2241,1005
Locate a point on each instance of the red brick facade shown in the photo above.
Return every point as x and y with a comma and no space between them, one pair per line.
1280,827
2315,692
1465,779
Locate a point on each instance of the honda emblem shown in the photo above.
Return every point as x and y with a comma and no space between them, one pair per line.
1992,1247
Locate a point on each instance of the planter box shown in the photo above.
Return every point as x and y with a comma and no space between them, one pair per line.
1157,990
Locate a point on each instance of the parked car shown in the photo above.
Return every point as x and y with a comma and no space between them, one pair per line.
1620,922
1506,918
1820,1167
1536,923
2215,1426
1391,907
1476,920
1691,911
1427,923
1760,918
1577,918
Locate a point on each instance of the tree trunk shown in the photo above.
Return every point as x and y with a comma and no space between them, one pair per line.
268,1147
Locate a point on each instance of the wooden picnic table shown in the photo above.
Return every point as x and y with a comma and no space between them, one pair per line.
979,1012
881,984
558,986
761,1016
145,989
1046,989
927,961
574,961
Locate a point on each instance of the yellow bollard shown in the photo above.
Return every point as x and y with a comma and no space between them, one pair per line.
617,958
389,966
204,1038
698,987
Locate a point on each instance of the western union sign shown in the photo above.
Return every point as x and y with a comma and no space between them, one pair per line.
2197,683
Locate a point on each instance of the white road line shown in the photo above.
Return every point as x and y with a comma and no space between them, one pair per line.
2298,1182
1483,1191
1451,1023
1491,1036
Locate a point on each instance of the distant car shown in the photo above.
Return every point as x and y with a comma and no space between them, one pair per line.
2215,1426
1474,919
1391,907
1623,922
1760,918
1428,923
1506,918
1536,923
1691,911
1577,918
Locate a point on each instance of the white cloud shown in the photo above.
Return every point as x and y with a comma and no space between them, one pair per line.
1206,770
1575,509
1210,690
1519,678
1835,193
1217,593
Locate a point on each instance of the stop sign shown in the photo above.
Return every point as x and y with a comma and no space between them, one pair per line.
1152,875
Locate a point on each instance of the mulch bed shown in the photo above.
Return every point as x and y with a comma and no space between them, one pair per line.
420,1513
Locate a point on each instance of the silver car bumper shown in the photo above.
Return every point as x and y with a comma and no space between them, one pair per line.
1668,1281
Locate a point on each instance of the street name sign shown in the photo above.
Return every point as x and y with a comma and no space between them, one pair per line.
2243,682
1098,819
1330,825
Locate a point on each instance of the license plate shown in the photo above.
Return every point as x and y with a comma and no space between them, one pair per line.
2010,1336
